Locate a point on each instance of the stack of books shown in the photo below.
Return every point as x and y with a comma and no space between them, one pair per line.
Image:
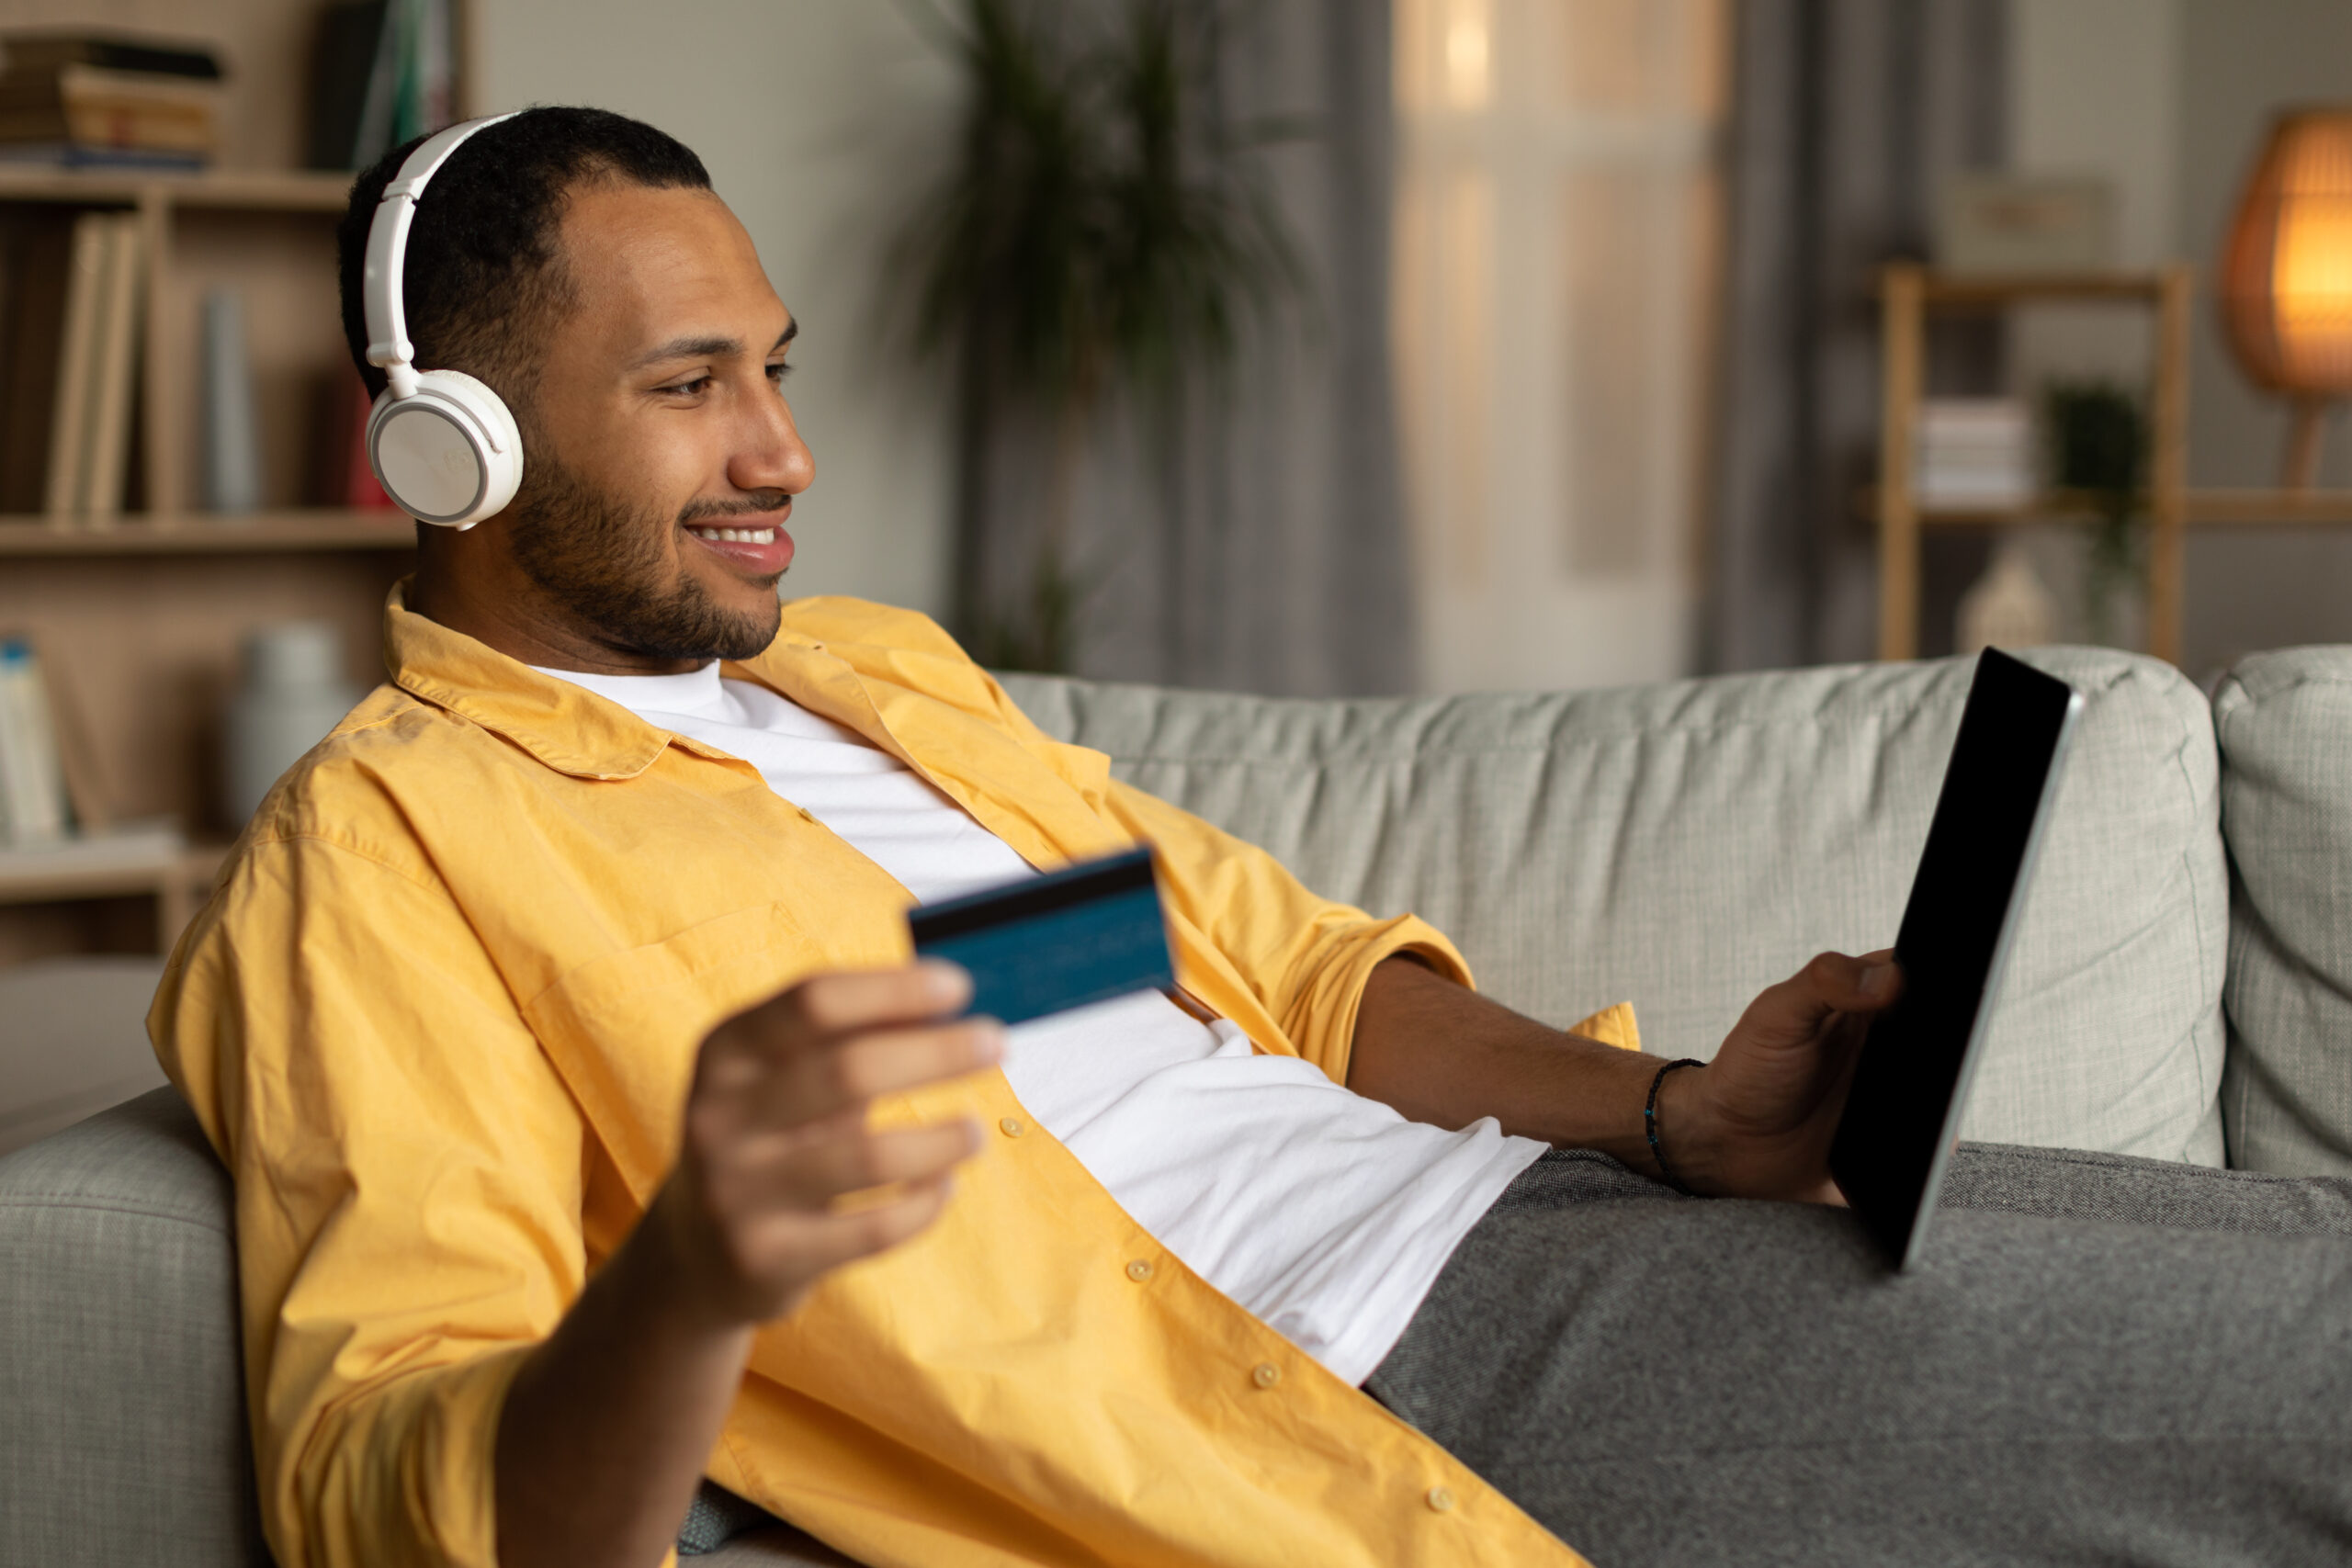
68,357
83,99
1974,454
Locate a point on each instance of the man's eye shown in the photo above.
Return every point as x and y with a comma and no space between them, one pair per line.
694,388
779,371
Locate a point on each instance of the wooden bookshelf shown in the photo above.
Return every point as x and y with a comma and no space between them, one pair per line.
230,191
202,534
1908,293
141,620
171,880
2200,509
142,617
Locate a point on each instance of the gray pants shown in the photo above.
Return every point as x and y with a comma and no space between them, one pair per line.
2097,1360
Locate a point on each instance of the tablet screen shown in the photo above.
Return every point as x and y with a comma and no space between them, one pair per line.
1909,1087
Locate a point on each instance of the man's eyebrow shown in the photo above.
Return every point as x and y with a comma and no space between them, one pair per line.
705,348
708,346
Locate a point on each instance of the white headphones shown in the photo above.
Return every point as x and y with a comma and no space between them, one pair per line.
443,446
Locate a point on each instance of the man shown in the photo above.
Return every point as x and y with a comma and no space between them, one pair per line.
593,1134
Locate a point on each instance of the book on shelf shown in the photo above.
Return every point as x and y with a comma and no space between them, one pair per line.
381,72
99,99
115,357
32,331
33,800
1973,452
89,371
345,478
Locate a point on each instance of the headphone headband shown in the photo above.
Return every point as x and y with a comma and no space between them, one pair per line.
387,342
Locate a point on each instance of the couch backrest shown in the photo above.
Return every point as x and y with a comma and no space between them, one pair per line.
2285,726
1681,846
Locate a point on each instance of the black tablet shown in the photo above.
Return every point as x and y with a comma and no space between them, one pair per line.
1903,1113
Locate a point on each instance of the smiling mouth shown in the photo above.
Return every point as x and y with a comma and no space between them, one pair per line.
733,536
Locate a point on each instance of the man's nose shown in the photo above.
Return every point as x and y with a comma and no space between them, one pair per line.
769,453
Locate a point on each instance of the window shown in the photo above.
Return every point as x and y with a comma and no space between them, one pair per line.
1558,218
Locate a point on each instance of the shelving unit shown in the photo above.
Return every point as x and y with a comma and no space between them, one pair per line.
201,534
1908,293
141,617
172,881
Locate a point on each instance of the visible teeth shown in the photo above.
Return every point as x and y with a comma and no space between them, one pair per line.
739,536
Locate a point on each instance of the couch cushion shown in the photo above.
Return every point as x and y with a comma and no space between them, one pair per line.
2285,725
1682,846
123,1438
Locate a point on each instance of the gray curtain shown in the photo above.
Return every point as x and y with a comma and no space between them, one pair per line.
1256,541
1848,117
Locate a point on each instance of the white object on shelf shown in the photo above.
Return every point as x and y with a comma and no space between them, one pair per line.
294,693
153,845
231,435
1973,452
32,776
2006,607
1990,224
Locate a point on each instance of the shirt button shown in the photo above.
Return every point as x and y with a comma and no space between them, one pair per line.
1267,1375
1441,1499
1139,1270
1014,1126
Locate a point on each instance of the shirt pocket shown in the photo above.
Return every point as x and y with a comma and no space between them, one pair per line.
623,1028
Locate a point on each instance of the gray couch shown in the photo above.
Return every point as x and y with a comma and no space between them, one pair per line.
2182,984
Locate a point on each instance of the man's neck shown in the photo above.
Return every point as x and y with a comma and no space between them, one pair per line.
469,586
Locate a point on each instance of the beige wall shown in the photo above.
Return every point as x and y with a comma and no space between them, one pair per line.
2170,100
817,118
2241,60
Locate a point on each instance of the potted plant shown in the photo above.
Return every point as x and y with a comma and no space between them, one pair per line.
2099,444
1102,236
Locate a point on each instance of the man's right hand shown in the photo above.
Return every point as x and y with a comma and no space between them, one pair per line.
775,1132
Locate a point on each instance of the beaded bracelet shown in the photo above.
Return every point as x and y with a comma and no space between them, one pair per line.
1649,1124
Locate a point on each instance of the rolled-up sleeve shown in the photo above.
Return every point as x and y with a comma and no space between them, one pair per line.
1305,958
408,1169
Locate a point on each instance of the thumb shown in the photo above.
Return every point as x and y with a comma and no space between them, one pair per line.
1832,982
1871,981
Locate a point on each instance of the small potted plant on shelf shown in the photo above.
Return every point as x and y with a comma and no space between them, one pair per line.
2099,446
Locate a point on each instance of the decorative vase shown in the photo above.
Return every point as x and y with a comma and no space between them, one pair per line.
232,435
293,692
2006,607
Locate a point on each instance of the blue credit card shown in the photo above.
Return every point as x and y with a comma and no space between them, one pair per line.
1045,944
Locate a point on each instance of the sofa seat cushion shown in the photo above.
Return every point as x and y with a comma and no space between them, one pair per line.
1681,846
2284,721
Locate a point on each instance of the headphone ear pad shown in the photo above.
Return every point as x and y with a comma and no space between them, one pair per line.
448,453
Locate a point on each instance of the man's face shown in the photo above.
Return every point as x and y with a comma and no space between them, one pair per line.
660,459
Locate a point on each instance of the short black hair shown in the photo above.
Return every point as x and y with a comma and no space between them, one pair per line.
482,270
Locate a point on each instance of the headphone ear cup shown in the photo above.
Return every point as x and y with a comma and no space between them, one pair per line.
449,453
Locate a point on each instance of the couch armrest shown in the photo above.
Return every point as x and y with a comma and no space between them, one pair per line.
122,1424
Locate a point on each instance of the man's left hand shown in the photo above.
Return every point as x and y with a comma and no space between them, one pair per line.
1757,1121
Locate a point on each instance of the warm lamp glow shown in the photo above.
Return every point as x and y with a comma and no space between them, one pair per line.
1466,63
2287,276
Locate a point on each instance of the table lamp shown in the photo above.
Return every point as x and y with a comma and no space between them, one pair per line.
2287,274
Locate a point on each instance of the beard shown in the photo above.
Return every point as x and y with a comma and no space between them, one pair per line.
604,556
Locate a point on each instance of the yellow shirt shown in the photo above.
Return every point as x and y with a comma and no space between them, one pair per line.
439,1017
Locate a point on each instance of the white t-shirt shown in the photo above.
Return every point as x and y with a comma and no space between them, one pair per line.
1326,1215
